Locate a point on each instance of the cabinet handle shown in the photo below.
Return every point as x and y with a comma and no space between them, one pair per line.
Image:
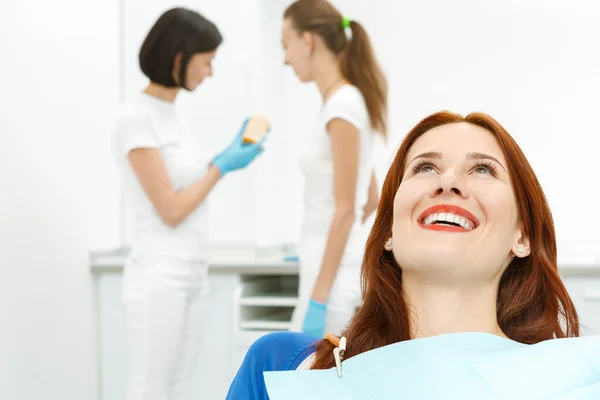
592,294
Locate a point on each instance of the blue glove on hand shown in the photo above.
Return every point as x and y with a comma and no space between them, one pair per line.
237,155
314,321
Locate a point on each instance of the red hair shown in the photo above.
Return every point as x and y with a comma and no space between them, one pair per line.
532,305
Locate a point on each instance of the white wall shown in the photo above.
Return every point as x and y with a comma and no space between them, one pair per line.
528,64
59,197
262,204
217,110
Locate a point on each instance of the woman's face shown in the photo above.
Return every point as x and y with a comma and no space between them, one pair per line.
455,212
198,68
297,50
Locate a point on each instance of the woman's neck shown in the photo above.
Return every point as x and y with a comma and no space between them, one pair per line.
328,78
437,310
161,92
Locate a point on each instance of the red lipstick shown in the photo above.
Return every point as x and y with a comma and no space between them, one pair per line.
469,223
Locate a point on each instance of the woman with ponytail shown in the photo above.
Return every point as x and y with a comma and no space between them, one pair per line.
340,190
463,241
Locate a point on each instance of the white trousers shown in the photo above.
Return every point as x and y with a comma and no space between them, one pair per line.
345,295
166,306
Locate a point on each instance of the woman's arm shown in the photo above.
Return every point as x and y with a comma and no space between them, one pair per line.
345,146
373,199
172,206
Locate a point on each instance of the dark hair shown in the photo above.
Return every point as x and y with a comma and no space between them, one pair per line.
178,30
533,304
358,63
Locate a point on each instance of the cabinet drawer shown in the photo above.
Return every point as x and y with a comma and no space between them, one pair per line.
265,303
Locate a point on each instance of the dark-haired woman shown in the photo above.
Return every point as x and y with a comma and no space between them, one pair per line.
167,180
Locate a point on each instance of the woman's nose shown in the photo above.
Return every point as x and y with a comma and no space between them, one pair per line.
450,183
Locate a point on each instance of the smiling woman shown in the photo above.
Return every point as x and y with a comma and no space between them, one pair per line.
495,273
463,241
457,173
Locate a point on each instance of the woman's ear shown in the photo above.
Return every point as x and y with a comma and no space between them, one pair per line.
522,247
177,67
389,244
309,42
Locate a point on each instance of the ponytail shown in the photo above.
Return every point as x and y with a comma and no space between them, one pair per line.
358,63
360,68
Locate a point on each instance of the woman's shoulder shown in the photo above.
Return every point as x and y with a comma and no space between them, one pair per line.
132,109
130,115
282,350
347,93
278,351
348,102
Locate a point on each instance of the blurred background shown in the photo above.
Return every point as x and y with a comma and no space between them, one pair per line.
66,65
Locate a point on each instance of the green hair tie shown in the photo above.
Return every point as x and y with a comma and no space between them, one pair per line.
346,22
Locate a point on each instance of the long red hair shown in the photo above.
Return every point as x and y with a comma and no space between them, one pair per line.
533,304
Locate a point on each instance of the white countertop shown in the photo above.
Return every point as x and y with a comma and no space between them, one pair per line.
244,259
222,259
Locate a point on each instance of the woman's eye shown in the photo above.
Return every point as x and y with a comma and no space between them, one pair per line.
423,166
488,169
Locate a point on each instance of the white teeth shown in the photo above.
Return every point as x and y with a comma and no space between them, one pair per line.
448,217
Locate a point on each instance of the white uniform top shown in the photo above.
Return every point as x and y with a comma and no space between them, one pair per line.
346,103
148,122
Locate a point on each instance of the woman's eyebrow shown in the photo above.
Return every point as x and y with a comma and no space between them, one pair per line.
429,154
482,156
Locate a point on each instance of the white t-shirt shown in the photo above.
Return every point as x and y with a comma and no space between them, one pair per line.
148,122
345,103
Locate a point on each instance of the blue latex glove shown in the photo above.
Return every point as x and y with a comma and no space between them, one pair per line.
237,155
314,321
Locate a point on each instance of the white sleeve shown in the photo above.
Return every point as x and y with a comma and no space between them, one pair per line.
348,106
133,131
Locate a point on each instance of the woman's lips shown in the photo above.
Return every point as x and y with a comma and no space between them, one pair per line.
448,218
